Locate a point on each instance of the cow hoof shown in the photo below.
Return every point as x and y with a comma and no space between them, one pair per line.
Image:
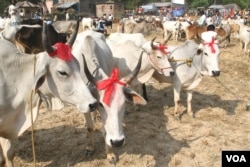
89,153
191,114
177,117
112,159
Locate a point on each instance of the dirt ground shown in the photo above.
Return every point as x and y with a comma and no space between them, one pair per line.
154,138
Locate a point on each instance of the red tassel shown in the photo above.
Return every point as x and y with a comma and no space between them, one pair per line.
162,48
62,51
211,45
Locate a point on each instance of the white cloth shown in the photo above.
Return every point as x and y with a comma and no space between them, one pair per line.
207,36
202,20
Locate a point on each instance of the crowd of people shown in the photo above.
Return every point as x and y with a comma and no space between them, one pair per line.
101,23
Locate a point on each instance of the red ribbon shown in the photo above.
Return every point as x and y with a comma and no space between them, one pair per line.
108,85
162,48
211,45
62,51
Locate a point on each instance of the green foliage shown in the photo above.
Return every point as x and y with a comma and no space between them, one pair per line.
3,6
198,3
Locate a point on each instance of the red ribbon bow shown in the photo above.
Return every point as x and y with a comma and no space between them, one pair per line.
108,85
211,45
62,51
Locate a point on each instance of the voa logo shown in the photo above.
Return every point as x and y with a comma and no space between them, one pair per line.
236,158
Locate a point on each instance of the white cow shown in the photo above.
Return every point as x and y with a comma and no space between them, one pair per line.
171,27
244,36
127,53
137,38
87,23
93,46
24,79
190,63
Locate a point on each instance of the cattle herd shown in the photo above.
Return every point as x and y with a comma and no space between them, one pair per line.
43,64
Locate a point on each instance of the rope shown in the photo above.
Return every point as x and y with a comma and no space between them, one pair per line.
188,61
231,92
32,129
32,123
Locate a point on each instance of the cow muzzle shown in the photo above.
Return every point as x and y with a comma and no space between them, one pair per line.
117,143
93,106
172,73
216,73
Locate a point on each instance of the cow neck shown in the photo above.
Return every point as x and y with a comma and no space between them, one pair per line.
198,63
191,61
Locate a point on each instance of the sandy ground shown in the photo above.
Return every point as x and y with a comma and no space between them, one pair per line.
154,138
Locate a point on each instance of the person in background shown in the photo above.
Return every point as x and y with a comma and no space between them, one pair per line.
101,27
202,19
110,17
36,15
217,19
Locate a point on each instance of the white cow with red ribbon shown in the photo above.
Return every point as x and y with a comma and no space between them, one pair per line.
26,79
126,53
190,63
96,60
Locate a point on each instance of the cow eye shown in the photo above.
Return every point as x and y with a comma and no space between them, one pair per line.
205,54
63,73
159,57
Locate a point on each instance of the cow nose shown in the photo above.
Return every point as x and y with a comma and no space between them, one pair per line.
216,73
172,73
93,106
116,143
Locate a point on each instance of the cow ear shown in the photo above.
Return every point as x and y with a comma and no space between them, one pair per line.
39,73
199,50
39,80
133,96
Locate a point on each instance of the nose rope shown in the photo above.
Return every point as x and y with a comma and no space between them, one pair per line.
188,61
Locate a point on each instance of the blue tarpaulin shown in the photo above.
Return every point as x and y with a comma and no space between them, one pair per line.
178,12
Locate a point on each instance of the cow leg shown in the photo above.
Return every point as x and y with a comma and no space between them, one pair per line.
144,92
189,105
2,159
8,151
112,158
176,101
90,128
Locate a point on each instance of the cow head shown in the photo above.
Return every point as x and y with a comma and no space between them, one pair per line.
113,94
158,57
210,51
58,72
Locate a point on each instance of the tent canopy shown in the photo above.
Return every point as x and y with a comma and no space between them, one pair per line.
66,5
26,4
216,7
149,8
232,6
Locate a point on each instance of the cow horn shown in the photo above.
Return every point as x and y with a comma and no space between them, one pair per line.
168,38
47,47
89,76
134,73
152,43
72,38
